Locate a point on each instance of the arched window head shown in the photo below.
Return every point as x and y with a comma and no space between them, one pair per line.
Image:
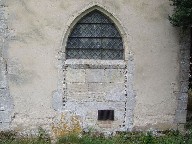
95,36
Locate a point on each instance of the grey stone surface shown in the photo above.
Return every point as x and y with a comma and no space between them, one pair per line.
57,102
86,96
185,54
181,112
95,75
181,116
75,75
184,75
6,103
95,64
182,104
130,94
183,96
184,86
3,82
114,75
5,116
4,126
5,100
3,92
77,87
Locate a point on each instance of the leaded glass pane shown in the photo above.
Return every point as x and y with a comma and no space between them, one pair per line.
95,17
95,30
96,43
109,31
84,54
112,54
94,37
84,43
112,43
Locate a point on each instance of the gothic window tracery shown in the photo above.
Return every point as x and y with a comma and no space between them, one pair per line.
94,36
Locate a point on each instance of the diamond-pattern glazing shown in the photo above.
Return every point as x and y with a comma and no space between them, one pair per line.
95,30
94,37
95,17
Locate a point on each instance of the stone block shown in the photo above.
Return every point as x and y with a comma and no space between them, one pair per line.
115,92
3,82
185,54
71,106
130,103
95,75
6,103
181,116
74,96
184,75
95,64
184,87
105,124
108,88
96,87
119,107
4,126
182,105
77,87
57,101
130,67
3,25
183,96
2,12
114,75
2,92
5,116
86,96
184,65
75,75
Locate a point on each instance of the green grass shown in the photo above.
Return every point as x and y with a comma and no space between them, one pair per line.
166,137
13,138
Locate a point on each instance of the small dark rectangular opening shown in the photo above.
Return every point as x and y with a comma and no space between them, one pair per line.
105,115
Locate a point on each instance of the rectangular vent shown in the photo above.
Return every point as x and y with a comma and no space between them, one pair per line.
105,115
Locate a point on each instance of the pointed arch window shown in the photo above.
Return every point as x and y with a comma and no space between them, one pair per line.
94,36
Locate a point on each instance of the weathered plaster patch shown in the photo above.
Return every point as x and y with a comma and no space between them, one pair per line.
17,74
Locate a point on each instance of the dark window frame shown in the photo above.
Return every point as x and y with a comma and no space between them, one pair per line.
105,115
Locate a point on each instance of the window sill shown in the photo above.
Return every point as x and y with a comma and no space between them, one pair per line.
95,64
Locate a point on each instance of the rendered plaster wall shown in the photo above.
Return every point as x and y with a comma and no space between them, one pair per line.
40,77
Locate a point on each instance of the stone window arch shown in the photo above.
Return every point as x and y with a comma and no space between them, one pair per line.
95,36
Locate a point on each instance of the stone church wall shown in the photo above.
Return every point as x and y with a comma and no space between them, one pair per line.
41,88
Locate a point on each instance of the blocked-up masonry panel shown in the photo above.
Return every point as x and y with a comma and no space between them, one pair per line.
91,93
